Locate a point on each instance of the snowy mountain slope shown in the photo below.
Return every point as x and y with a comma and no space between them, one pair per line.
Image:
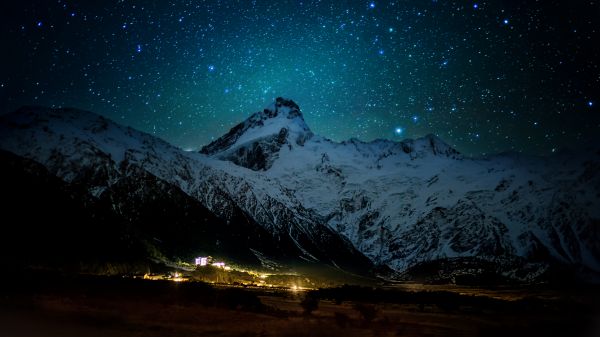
84,148
402,203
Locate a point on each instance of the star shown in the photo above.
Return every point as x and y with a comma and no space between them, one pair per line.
211,68
372,5
398,131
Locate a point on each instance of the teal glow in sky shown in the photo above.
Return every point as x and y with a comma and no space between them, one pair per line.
484,76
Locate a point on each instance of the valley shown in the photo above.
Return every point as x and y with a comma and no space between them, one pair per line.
48,304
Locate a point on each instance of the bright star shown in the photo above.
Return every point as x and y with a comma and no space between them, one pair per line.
398,130
505,21
39,23
415,118
381,51
138,48
590,103
211,67
372,5
475,6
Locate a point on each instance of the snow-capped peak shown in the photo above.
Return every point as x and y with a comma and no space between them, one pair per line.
284,107
281,122
257,142
429,144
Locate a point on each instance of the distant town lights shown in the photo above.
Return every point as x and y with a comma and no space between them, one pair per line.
207,260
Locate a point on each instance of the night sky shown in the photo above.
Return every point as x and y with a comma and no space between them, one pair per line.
485,76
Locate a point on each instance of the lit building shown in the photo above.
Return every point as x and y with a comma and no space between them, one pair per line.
201,261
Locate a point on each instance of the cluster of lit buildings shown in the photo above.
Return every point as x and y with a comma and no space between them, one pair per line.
209,261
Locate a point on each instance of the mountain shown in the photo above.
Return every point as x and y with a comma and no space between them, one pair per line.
177,204
405,204
272,192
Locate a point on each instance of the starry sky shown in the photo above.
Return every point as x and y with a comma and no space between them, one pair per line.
485,76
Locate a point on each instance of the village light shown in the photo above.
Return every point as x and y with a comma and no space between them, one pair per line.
201,261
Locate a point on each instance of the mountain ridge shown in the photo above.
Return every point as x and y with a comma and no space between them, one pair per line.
255,143
97,153
390,201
